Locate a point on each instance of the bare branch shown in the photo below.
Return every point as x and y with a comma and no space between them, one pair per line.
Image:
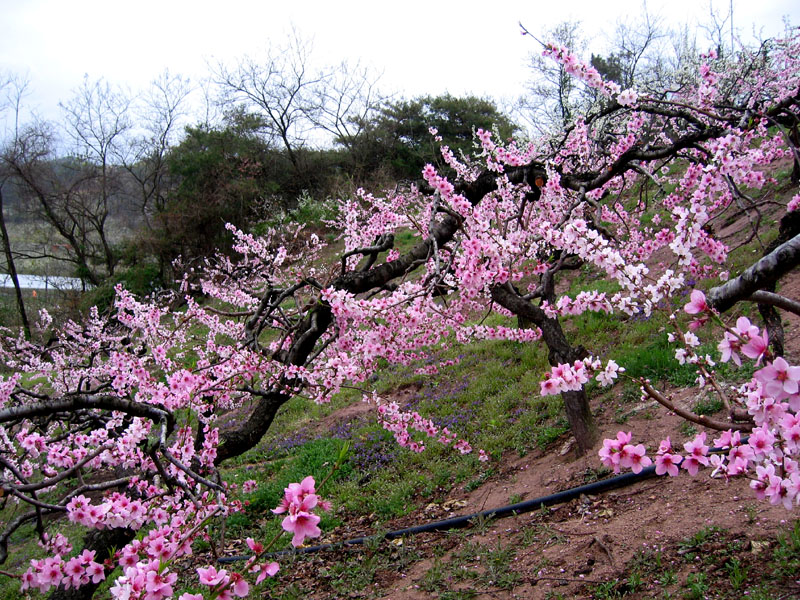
762,274
689,415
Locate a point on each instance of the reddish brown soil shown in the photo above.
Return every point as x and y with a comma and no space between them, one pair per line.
570,549
593,539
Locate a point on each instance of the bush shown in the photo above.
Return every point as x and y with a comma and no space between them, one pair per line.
142,280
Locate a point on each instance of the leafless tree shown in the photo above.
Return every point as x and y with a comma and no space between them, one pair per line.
57,191
14,89
553,94
279,88
160,113
97,119
638,45
719,28
343,103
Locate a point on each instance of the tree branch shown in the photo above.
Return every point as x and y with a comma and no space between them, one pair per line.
760,275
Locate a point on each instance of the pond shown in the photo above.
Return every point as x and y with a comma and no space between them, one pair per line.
44,282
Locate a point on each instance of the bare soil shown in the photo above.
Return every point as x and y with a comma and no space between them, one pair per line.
571,548
652,539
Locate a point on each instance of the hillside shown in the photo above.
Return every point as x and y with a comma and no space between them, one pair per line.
684,537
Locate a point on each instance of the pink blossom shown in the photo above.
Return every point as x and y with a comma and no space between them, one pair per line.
210,575
256,547
697,454
635,458
297,493
697,303
627,97
159,585
239,586
794,203
265,570
96,572
761,441
302,524
73,573
780,380
665,446
668,463
729,347
756,347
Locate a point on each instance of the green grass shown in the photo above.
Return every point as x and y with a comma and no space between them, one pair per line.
708,405
492,398
786,556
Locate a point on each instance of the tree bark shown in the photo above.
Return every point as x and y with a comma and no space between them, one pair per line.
794,139
789,228
560,351
12,270
759,276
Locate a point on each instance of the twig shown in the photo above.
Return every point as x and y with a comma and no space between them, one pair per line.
606,550
572,579
689,415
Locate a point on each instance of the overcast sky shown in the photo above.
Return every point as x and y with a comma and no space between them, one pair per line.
432,46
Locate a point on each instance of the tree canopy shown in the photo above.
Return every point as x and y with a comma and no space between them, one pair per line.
634,187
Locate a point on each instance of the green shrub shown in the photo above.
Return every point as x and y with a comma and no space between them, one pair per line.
141,280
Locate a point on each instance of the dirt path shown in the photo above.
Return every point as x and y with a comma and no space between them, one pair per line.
571,549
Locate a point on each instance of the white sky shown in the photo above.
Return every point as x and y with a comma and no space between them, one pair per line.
433,46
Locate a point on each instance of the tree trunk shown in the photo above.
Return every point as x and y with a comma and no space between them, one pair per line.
580,419
759,276
576,404
780,257
789,228
794,139
12,271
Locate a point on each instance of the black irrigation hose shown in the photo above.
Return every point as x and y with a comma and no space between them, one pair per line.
464,521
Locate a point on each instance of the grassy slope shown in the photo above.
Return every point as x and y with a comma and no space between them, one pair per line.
491,397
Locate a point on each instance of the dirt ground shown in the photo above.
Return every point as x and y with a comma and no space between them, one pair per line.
569,549
667,532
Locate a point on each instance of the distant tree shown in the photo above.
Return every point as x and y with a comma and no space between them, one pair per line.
636,57
97,118
343,105
344,102
400,134
610,67
160,113
637,49
279,88
719,28
221,175
60,192
554,97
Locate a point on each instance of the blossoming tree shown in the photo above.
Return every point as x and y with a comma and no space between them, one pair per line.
114,422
